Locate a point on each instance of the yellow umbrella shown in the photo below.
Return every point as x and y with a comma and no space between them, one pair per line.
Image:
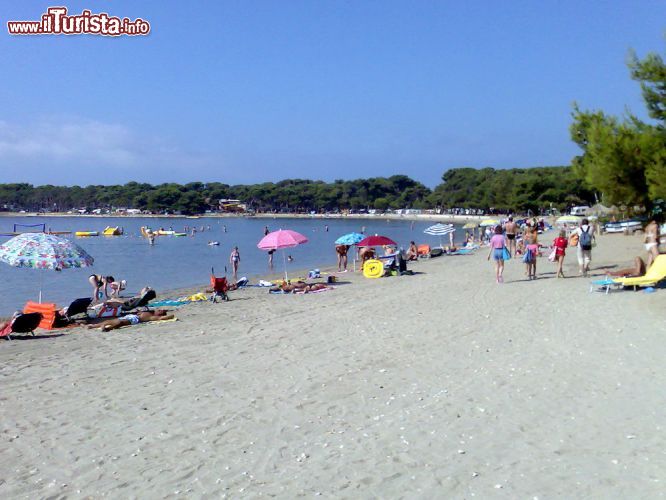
489,222
470,225
568,219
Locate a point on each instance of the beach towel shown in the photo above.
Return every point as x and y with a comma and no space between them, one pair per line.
149,323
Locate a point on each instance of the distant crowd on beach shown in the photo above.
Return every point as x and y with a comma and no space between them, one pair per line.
509,240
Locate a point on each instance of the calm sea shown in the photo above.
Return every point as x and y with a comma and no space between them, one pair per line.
177,262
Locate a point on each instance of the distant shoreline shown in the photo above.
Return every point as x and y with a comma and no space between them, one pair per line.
450,218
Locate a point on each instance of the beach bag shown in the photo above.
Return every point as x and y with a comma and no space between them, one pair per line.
585,240
553,255
505,254
573,240
529,256
104,311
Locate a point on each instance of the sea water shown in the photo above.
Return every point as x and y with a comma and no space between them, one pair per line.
179,262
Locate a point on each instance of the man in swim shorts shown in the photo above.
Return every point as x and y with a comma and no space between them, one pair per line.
510,232
342,250
133,319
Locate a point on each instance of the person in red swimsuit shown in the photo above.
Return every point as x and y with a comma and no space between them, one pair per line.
560,243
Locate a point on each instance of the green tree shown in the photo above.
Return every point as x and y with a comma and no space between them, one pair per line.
625,159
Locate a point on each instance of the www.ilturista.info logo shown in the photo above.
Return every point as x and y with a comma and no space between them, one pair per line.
57,22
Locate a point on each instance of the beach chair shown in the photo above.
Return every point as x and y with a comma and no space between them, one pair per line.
22,323
655,273
47,311
605,283
423,251
138,302
220,287
78,306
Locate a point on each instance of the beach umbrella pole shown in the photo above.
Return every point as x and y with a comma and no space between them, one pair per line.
284,259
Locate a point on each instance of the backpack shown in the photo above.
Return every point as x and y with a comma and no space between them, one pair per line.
585,239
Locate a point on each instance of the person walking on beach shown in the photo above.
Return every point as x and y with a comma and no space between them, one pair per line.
560,245
234,260
270,258
341,251
510,230
585,235
531,252
497,247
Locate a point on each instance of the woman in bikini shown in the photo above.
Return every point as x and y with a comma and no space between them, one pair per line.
652,241
100,285
234,259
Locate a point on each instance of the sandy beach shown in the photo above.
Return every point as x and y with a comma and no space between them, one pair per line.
439,385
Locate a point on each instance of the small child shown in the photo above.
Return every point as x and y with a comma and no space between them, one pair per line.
560,244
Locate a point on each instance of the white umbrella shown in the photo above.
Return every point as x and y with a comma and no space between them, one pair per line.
440,230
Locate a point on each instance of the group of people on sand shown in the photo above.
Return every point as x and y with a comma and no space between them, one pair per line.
105,286
509,241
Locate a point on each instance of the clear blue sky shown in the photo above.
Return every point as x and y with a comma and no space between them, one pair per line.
253,91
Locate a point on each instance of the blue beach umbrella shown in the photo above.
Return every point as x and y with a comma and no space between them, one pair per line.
349,239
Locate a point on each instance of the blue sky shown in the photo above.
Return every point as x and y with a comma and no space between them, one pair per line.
253,91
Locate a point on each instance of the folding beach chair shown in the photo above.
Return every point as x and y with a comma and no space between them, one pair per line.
138,302
220,287
22,323
604,284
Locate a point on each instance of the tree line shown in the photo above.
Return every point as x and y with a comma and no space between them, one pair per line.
486,189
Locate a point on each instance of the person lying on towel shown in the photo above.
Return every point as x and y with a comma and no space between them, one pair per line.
133,319
299,286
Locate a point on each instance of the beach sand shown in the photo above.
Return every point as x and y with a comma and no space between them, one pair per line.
439,385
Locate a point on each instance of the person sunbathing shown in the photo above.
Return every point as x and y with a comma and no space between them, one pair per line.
298,287
631,272
133,319
413,252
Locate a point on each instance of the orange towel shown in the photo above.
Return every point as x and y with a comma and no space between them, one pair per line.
48,311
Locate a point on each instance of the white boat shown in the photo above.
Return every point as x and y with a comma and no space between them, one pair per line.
622,226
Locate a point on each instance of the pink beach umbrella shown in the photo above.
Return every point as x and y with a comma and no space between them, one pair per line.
279,240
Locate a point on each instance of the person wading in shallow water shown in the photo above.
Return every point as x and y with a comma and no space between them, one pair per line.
234,260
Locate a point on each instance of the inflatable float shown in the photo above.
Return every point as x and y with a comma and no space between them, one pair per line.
112,231
86,233
373,268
